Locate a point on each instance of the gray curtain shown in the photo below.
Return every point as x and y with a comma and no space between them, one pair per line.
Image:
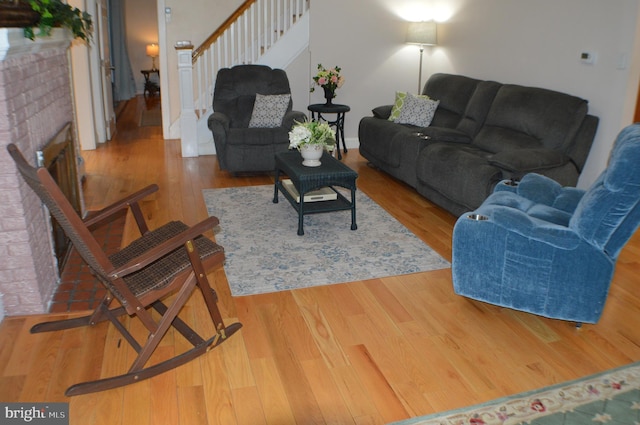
124,85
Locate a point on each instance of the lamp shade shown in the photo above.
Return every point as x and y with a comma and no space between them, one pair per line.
423,33
152,50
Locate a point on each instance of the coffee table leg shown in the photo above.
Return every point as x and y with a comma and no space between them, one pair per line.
354,226
301,216
275,187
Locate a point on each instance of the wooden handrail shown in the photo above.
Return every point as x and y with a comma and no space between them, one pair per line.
221,29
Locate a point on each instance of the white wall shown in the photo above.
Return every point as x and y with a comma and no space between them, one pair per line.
194,21
529,42
141,23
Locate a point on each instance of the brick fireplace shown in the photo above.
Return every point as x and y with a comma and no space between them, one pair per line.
35,104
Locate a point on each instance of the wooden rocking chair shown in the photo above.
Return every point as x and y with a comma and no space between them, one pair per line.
172,259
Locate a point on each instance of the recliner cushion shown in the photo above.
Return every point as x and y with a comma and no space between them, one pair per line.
269,110
257,136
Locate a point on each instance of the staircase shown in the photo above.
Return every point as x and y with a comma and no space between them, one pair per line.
268,32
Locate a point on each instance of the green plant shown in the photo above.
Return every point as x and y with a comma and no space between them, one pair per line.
55,13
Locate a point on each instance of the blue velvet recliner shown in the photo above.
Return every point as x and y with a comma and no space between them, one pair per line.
541,248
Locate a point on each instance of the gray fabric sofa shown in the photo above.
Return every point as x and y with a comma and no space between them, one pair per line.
482,132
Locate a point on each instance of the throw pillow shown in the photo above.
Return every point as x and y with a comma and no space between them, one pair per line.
399,102
417,111
269,110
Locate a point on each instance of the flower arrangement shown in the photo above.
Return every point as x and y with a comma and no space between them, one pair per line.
328,79
312,133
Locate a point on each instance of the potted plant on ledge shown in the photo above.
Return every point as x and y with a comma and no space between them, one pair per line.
45,15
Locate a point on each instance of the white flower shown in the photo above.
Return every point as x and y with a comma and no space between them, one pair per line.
312,133
299,135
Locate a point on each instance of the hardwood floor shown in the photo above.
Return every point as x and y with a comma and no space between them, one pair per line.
367,352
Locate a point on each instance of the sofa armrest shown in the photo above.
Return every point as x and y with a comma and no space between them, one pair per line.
528,160
382,112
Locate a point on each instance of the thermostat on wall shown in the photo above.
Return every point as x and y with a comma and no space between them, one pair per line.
588,57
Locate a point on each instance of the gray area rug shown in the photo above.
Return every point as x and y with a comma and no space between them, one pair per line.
265,254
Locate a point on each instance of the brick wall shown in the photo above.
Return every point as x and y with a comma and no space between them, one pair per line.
35,103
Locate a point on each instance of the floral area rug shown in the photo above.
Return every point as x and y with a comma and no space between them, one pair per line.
265,254
611,397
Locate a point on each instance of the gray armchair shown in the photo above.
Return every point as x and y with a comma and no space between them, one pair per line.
252,115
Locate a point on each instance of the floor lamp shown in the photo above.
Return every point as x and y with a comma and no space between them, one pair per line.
422,34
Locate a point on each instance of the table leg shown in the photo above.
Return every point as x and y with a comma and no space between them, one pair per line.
354,226
275,186
340,133
301,216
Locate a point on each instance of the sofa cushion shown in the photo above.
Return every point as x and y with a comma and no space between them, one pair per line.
444,166
399,103
417,111
382,137
527,117
454,93
269,110
478,107
528,160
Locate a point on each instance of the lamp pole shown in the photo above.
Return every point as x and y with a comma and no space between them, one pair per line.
422,34
420,70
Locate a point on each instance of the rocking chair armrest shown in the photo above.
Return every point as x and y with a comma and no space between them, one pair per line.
123,203
164,248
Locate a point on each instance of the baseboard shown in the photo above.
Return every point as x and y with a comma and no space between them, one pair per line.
352,142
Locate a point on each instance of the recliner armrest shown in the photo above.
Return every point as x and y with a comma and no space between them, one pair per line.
291,117
218,119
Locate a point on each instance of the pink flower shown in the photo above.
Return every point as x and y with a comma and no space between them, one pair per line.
334,79
538,406
322,81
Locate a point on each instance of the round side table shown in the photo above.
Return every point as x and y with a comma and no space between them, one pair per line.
317,109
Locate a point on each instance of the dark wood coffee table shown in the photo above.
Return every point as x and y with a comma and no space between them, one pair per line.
305,179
